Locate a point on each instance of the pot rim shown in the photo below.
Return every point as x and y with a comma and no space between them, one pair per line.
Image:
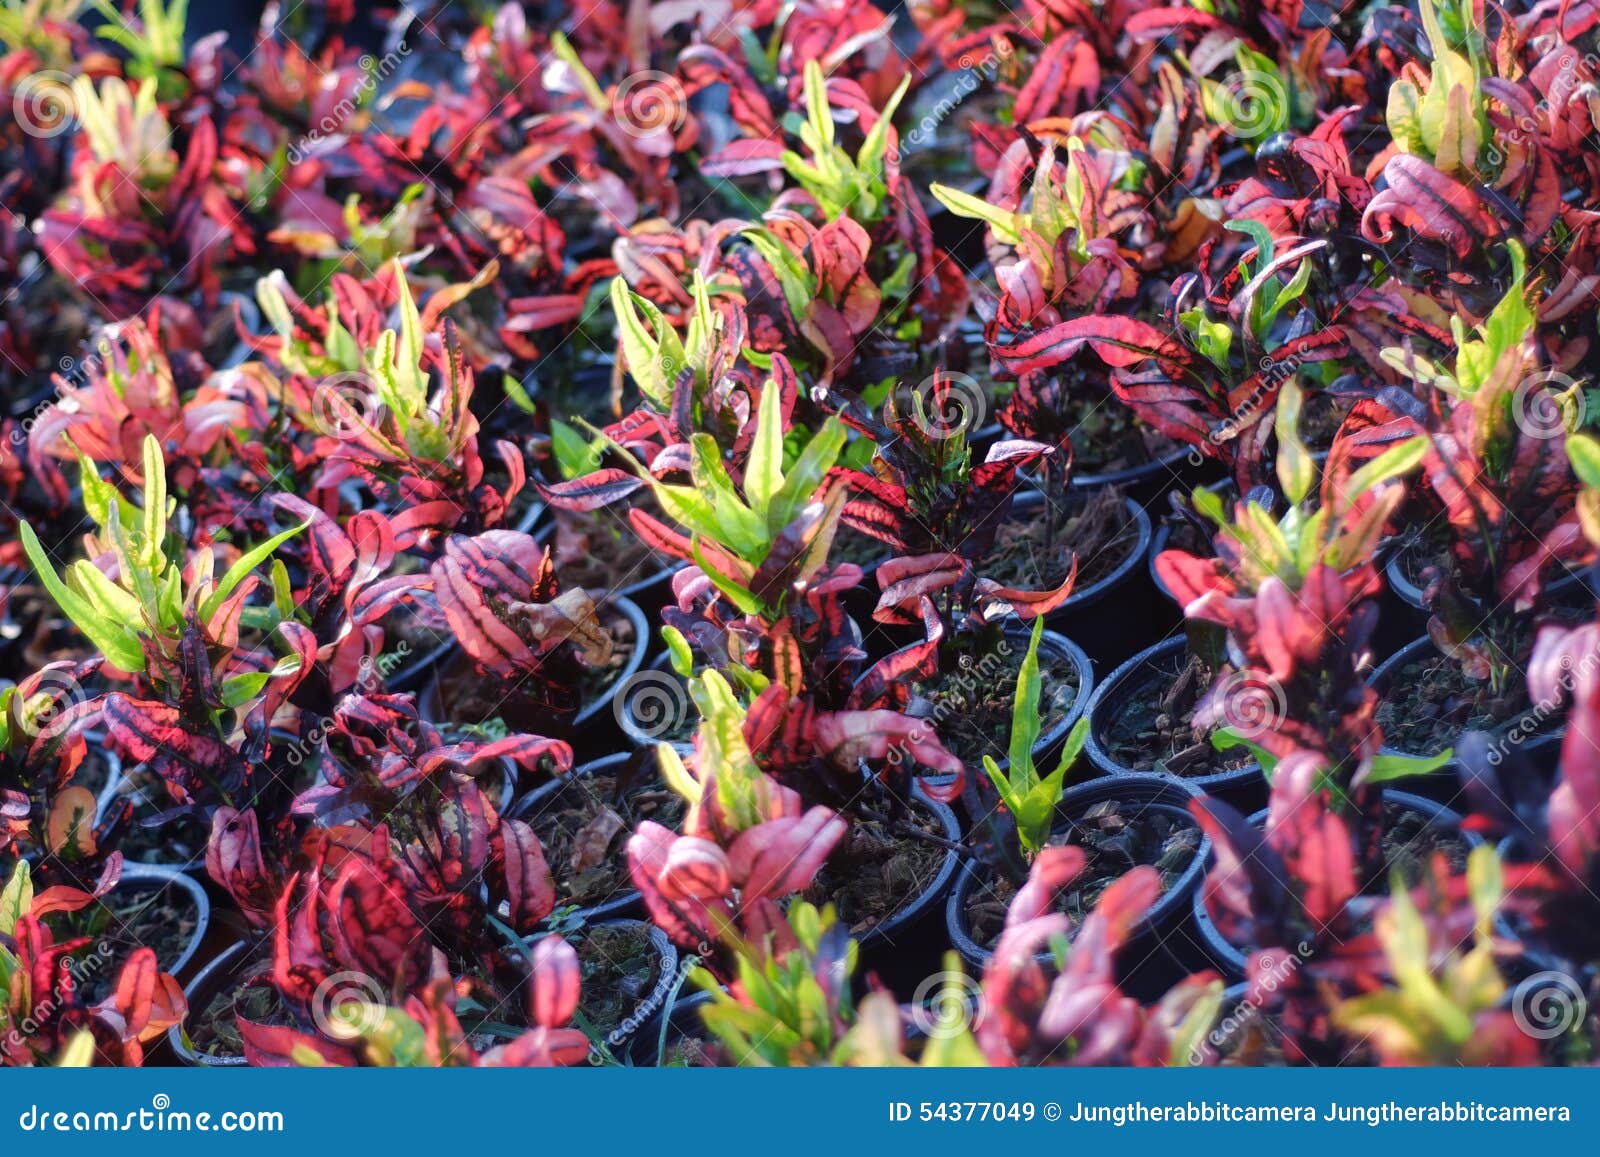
135,872
902,917
1162,534
665,567
1082,665
644,1011
1227,956
628,904
623,709
1165,793
1027,500
217,971
1410,593
433,663
1122,680
643,1049
1384,673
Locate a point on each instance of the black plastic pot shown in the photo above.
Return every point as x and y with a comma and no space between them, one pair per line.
109,790
1408,592
1111,618
1154,793
1062,650
177,856
1404,596
1529,959
668,979
140,879
1120,688
231,967
961,237
1118,614
650,587
625,903
680,1018
600,711
903,947
593,730
1149,481
1384,675
1227,956
249,315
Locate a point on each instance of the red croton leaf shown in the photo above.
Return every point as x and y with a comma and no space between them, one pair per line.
529,886
235,863
782,856
1120,342
153,733
1431,204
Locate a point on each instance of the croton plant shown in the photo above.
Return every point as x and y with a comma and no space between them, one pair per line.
615,533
